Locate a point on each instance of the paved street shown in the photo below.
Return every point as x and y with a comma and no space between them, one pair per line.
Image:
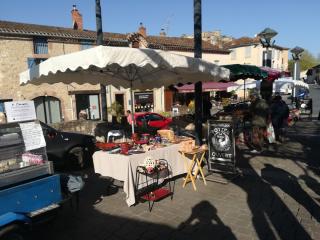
276,198
315,95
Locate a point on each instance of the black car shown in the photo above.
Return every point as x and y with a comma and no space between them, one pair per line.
67,149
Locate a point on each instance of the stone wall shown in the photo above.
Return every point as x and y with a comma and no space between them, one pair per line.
13,60
14,54
80,126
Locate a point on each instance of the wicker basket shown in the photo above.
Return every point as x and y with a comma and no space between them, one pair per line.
168,134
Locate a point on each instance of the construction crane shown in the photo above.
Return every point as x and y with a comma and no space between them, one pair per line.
166,26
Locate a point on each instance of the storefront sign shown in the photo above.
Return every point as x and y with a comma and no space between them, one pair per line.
143,101
221,144
143,97
32,135
18,111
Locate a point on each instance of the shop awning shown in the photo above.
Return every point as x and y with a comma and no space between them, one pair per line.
207,87
273,74
243,71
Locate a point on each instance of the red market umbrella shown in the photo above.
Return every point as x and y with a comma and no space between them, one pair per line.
273,74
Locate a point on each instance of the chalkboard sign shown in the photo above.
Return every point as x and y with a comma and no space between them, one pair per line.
221,146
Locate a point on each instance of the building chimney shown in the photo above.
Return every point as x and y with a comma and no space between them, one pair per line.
162,33
142,30
77,22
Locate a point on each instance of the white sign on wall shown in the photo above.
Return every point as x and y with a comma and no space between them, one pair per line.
32,135
18,111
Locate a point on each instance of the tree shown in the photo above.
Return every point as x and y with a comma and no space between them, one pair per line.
307,61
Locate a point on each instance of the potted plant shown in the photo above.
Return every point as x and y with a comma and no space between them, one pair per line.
116,110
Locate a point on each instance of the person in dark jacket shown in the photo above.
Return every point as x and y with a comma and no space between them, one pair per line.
259,111
309,107
279,116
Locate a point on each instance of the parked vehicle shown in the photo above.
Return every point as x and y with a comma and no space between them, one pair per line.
152,120
68,149
144,123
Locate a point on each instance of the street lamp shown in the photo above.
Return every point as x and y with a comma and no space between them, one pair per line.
265,38
296,56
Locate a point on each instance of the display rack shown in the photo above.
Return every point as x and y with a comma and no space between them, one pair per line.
17,164
151,189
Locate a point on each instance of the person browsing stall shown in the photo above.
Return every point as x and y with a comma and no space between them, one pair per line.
259,112
129,117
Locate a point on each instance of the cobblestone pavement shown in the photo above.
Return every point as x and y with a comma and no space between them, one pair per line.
277,197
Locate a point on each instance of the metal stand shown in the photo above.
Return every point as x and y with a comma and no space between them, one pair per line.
153,192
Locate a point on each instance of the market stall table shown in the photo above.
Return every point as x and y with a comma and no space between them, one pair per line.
123,167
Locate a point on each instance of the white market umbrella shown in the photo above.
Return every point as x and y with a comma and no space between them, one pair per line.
282,83
244,85
132,68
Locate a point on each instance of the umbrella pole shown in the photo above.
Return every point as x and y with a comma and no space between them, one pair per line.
132,115
244,90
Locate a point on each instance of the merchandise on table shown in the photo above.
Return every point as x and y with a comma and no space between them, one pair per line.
145,142
168,134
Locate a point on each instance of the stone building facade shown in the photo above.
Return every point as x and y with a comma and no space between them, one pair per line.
22,45
248,50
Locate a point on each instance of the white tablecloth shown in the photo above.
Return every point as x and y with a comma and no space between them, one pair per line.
123,168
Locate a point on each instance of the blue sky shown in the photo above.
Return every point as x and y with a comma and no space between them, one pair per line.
296,21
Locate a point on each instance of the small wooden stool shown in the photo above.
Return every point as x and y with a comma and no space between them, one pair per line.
195,161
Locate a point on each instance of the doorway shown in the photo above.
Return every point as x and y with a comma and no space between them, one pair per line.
119,97
168,100
88,103
48,109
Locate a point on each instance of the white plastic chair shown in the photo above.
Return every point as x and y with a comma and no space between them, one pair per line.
115,134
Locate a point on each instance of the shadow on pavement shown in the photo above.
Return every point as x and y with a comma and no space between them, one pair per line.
271,217
290,186
114,220
204,222
312,183
307,133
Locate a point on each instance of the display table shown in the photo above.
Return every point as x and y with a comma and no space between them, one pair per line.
123,168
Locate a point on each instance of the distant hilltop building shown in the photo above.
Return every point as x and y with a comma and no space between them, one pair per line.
247,50
214,37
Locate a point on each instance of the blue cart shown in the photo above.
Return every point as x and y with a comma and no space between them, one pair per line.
29,190
24,204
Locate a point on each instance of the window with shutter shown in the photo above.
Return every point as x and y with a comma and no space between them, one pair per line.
85,45
40,46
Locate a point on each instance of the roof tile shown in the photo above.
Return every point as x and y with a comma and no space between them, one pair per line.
246,41
157,42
